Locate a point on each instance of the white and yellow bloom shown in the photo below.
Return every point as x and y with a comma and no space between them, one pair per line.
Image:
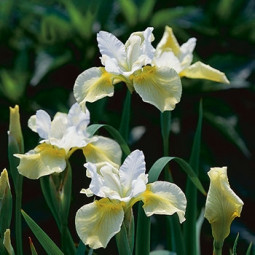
133,63
97,222
222,204
180,58
60,138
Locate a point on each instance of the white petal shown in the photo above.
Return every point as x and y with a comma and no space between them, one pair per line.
96,223
58,127
77,118
43,123
111,47
132,174
164,198
186,55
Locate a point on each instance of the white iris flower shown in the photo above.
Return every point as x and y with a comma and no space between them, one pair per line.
97,222
133,63
60,138
180,58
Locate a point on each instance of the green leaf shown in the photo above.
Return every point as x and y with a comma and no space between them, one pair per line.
235,244
92,129
248,252
81,250
191,192
162,252
161,163
49,246
129,11
173,15
146,9
32,247
142,232
57,190
227,126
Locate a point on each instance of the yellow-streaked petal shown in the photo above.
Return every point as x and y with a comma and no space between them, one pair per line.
7,242
160,87
93,84
103,149
96,223
200,70
4,183
164,198
222,204
45,159
168,42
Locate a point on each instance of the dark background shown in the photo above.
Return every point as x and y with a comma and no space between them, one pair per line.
44,45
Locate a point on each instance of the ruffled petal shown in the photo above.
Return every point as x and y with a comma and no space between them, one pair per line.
58,127
200,70
222,204
164,198
111,47
78,118
92,85
105,181
168,42
40,123
45,159
160,87
96,223
132,174
102,150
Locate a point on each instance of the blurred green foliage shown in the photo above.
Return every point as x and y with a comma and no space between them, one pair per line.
44,45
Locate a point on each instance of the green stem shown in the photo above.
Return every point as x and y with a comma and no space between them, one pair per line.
67,242
18,225
125,117
217,248
125,238
165,123
173,229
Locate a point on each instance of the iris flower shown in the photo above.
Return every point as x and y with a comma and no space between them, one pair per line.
133,63
60,138
119,189
180,58
222,204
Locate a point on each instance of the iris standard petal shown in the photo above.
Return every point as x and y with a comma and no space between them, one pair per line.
222,204
92,85
131,172
96,223
168,41
45,159
103,149
111,47
200,70
164,198
40,123
160,87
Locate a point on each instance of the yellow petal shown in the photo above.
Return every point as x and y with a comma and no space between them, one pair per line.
7,242
45,159
160,87
96,223
4,183
164,198
168,42
93,84
222,204
200,70
103,149
15,128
